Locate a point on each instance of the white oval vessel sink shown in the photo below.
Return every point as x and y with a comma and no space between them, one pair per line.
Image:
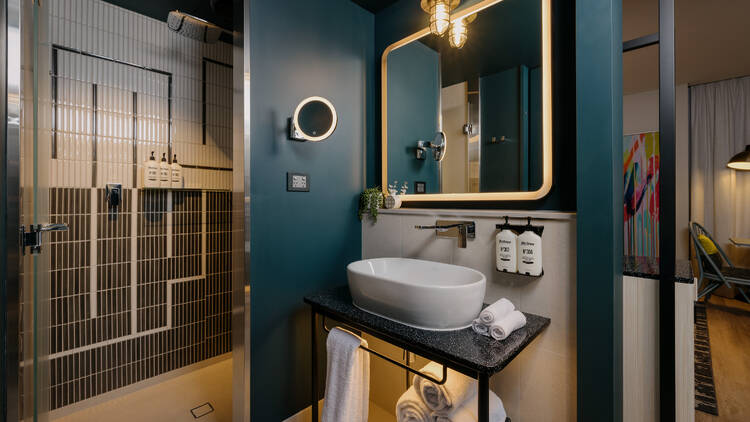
422,294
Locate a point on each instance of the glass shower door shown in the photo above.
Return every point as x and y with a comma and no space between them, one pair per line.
140,282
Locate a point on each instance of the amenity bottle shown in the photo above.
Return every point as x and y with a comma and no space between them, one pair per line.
165,172
151,173
530,253
505,251
177,182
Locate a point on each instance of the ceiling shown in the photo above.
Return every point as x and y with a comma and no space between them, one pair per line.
711,39
375,6
711,42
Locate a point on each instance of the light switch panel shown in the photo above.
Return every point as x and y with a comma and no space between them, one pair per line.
297,182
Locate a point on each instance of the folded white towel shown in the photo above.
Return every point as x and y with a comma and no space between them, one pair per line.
411,408
496,311
468,411
457,388
500,330
348,378
480,328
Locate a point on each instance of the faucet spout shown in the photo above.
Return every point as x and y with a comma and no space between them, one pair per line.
439,228
461,230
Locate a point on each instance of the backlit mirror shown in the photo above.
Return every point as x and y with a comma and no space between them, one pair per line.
488,102
314,120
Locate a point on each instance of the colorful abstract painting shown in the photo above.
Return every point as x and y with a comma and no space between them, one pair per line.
641,177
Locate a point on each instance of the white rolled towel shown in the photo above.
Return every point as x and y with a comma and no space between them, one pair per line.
496,311
500,330
468,412
411,408
480,328
456,390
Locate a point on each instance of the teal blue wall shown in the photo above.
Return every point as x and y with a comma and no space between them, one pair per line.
600,204
511,105
502,97
301,242
520,156
413,107
391,24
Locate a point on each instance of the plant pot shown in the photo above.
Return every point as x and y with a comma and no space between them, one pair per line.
392,201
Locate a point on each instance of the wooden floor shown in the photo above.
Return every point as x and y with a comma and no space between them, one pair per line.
729,332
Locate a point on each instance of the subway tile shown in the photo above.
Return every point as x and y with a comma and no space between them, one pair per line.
424,244
204,323
383,238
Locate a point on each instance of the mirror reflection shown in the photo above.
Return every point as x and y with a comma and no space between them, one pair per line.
477,108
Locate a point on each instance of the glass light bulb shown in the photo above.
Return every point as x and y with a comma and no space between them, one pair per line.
458,34
439,17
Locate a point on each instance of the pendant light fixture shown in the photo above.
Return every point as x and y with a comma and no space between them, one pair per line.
459,30
440,14
458,34
740,161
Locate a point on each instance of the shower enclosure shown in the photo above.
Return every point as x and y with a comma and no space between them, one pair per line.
111,286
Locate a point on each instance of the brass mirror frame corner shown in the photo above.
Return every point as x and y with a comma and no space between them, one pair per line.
546,115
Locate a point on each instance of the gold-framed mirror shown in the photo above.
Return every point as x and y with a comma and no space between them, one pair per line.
472,123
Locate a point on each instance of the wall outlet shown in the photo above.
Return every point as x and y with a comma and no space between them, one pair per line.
297,182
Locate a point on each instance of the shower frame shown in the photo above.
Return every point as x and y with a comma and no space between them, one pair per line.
12,203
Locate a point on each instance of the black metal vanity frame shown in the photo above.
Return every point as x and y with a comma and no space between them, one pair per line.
482,375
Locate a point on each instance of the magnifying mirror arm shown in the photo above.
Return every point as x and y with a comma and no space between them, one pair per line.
421,149
438,150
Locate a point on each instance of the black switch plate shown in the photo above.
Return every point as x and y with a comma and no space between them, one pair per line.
297,182
420,187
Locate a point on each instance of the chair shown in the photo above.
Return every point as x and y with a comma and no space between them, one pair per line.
711,270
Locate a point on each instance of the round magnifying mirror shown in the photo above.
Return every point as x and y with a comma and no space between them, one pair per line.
439,146
314,120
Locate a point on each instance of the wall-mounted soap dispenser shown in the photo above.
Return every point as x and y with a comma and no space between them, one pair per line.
530,251
505,249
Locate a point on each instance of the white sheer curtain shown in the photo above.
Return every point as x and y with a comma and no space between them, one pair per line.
720,128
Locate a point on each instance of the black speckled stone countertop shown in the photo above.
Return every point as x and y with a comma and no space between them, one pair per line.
462,350
648,267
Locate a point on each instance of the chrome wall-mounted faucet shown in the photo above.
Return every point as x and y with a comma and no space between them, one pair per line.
461,230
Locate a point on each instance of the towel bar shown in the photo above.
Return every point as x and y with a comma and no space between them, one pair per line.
397,363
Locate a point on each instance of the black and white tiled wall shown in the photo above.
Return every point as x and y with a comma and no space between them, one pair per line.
153,296
143,288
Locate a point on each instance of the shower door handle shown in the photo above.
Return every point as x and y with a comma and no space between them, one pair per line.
55,227
33,238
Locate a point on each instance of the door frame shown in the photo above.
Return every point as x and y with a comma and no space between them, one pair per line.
10,202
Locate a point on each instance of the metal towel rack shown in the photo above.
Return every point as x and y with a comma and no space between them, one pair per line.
397,363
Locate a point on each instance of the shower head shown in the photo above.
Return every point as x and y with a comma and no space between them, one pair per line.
193,27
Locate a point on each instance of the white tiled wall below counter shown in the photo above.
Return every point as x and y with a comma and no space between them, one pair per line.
540,384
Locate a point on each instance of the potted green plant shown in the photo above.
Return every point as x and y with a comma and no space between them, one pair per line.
369,202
